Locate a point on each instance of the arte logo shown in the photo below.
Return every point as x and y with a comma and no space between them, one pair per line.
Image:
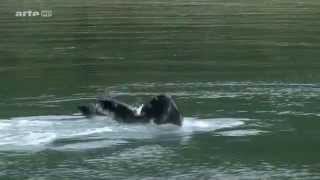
30,13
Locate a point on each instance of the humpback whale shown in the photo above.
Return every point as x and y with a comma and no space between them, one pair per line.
160,109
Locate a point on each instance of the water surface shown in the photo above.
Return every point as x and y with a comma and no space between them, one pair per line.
244,74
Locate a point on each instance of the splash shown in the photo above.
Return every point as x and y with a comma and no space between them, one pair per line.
78,132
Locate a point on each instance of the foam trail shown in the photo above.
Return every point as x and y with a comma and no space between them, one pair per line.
211,124
65,132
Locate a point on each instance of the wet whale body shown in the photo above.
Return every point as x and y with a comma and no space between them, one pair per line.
160,109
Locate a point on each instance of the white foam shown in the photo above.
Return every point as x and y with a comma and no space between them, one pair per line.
37,138
3,124
49,117
193,124
94,131
247,132
40,132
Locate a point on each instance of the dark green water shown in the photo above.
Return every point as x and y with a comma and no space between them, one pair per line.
245,74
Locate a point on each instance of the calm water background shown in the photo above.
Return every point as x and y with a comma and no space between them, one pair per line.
245,74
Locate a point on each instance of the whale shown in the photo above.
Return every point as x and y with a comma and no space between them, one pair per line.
161,109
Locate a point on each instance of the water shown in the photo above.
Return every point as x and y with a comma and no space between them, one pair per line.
244,74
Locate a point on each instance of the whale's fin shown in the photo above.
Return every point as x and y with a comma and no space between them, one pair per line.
86,110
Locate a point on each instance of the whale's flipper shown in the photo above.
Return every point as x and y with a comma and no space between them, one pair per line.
121,111
85,110
92,109
161,109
